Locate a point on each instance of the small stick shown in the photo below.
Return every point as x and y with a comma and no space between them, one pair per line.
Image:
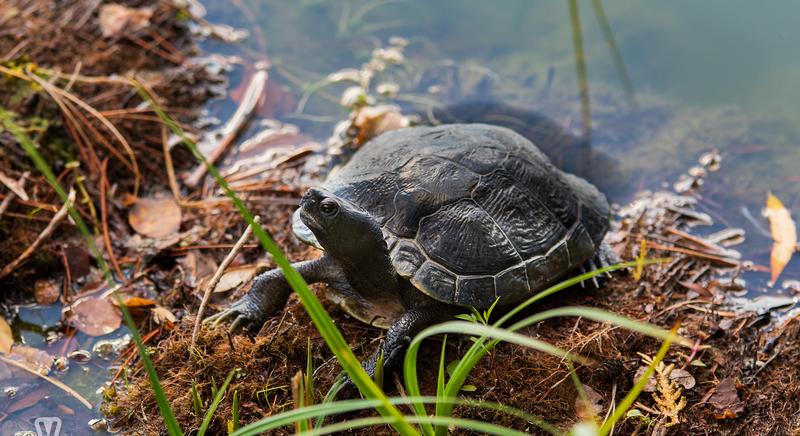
55,382
173,181
217,276
14,186
10,197
104,218
57,218
694,253
229,132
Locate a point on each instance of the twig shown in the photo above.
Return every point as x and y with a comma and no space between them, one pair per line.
10,197
229,132
14,186
132,353
51,89
173,181
694,253
53,381
217,276
57,218
104,218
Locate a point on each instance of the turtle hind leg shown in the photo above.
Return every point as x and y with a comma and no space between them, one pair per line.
604,257
402,331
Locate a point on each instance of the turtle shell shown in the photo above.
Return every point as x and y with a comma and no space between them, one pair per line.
472,212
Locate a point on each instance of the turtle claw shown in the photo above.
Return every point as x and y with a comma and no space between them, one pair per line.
245,313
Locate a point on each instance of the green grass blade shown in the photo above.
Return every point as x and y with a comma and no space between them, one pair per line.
235,407
330,397
481,347
197,402
322,321
288,418
469,424
171,424
214,404
440,383
628,400
613,47
27,144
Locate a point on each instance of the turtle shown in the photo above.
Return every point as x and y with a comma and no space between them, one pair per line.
423,223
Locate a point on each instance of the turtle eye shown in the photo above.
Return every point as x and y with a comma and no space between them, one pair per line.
328,207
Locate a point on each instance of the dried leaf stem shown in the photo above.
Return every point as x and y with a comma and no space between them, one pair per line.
218,275
51,226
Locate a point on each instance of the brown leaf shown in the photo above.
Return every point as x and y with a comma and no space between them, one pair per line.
157,218
235,277
118,20
136,302
592,407
6,337
683,378
46,292
371,121
37,359
197,265
784,235
725,400
702,290
28,400
95,316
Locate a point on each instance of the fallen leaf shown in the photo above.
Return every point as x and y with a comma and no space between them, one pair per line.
371,121
163,315
28,400
95,316
157,218
46,292
702,290
683,378
235,277
118,20
784,235
650,386
37,359
725,400
592,407
137,302
6,337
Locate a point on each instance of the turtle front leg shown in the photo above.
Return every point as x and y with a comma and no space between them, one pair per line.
403,330
269,294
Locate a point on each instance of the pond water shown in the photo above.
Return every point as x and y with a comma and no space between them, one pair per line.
665,83
679,79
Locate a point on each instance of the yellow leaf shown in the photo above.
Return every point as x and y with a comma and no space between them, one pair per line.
6,338
784,235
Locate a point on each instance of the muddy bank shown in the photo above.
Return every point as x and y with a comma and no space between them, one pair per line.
738,377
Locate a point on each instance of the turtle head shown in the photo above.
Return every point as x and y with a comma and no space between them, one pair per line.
341,227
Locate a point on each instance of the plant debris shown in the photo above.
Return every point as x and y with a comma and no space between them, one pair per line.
94,316
158,217
784,235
